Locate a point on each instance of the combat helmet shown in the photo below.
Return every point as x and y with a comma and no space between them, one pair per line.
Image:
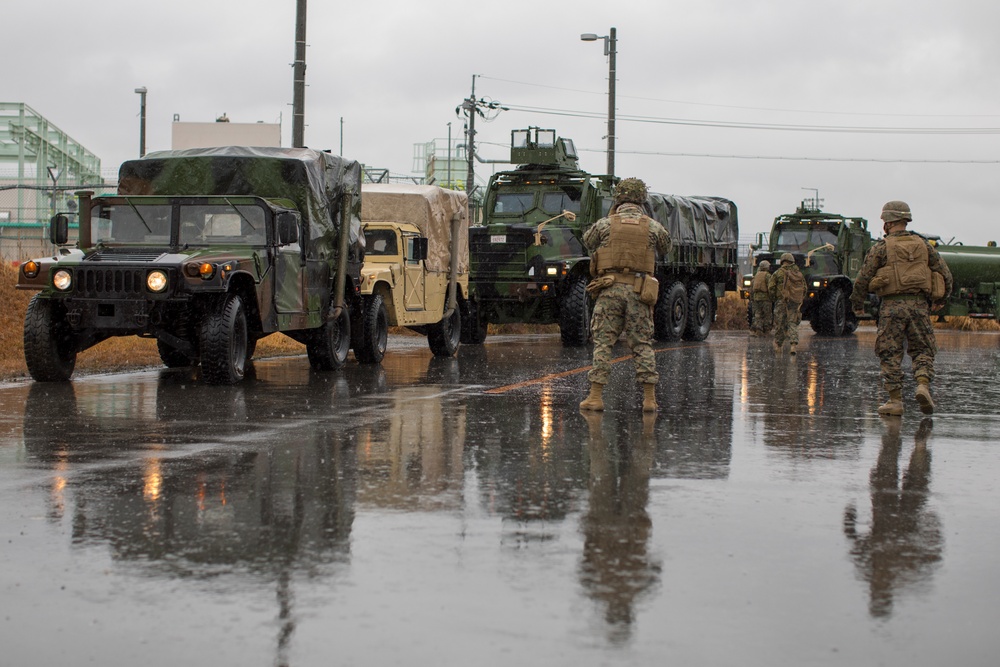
896,211
787,257
764,265
631,190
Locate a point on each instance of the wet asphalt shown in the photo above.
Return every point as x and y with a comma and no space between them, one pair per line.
464,512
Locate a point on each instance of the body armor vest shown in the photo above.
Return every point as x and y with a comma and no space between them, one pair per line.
758,288
628,247
906,270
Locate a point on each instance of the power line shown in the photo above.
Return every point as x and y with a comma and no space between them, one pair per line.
745,108
782,127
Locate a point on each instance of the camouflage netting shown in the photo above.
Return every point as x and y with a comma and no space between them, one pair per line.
699,221
314,180
431,209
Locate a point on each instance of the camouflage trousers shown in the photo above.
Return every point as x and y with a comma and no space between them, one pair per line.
763,316
787,317
904,325
618,309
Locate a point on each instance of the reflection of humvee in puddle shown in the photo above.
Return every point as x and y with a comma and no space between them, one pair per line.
412,232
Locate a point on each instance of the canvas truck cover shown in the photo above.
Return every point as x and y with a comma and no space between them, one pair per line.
431,209
314,180
698,221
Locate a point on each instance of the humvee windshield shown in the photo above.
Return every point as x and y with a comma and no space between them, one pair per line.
128,222
380,242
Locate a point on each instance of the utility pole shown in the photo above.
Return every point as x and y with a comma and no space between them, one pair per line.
470,145
611,100
299,77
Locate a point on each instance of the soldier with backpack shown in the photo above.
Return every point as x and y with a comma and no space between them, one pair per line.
788,290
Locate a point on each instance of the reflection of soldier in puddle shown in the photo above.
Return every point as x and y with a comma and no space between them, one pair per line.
904,542
616,569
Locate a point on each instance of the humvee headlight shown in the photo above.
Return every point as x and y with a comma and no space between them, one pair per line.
156,281
817,283
552,270
30,269
746,282
62,280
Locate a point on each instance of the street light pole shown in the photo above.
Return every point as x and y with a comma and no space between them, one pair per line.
142,120
610,50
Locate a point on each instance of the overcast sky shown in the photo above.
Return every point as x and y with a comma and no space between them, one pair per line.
395,70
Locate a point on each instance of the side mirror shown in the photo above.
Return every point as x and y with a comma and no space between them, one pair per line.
59,229
419,249
288,228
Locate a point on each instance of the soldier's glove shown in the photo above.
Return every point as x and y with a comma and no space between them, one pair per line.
858,308
936,306
595,286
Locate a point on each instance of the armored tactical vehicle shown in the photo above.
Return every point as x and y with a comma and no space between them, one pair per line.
829,249
416,270
976,274
529,263
205,250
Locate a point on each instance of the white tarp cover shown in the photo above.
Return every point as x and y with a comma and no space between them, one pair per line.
430,208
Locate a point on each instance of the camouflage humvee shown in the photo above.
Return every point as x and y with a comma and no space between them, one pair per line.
830,249
206,250
416,271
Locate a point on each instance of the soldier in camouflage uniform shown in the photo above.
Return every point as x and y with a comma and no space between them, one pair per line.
623,249
787,289
901,268
760,301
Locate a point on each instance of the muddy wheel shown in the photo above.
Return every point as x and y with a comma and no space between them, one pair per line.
831,316
445,336
670,312
474,326
699,315
223,341
374,331
574,314
49,342
327,348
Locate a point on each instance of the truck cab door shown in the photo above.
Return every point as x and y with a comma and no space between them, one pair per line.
413,272
289,271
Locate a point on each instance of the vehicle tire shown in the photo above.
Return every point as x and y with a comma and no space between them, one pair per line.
831,316
574,314
699,313
49,342
445,336
670,313
328,346
374,331
223,343
474,327
172,357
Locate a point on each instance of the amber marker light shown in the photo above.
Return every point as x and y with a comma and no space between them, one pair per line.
30,269
206,270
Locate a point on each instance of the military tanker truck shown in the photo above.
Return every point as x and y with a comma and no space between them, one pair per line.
829,249
205,250
529,265
976,274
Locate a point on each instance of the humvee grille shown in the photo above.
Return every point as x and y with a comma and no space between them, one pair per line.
111,283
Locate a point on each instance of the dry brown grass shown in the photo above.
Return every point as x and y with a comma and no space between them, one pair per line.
732,313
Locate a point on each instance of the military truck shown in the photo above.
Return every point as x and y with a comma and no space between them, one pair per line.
829,249
416,270
205,250
976,274
528,260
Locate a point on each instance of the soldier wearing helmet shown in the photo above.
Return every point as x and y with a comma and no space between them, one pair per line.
761,306
912,280
787,289
623,248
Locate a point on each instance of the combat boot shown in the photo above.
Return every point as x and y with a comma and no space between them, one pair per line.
593,400
924,395
791,348
894,406
649,398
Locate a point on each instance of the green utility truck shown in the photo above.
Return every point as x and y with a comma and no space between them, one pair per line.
976,274
529,264
829,249
205,250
